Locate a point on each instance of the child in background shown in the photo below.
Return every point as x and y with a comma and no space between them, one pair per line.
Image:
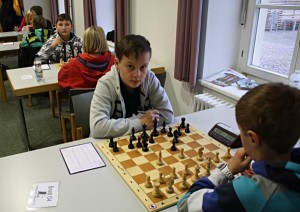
85,70
129,87
39,35
268,117
64,44
26,21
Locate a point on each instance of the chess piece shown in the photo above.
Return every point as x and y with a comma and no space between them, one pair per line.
155,132
207,172
186,170
148,183
173,147
151,140
111,142
144,133
196,173
179,131
176,136
170,134
115,148
200,154
139,143
159,161
227,154
169,188
130,145
133,137
217,159
174,175
161,179
187,129
145,146
208,163
163,130
182,125
183,185
156,192
181,154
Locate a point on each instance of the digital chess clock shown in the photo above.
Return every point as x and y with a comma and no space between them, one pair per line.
225,135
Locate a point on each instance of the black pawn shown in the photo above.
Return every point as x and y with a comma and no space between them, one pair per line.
187,129
111,142
151,140
144,133
139,143
163,130
130,145
155,132
115,148
133,137
182,125
170,134
175,136
179,131
145,146
173,147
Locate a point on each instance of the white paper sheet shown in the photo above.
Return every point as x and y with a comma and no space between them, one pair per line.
26,77
43,195
81,158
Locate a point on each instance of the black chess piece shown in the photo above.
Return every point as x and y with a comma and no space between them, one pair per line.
145,146
163,130
139,143
155,132
111,142
170,134
151,140
173,147
175,136
115,148
144,133
187,129
132,134
182,125
179,133
130,145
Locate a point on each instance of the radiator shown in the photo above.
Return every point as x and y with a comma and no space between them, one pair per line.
207,100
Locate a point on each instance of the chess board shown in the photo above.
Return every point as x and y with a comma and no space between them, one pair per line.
134,165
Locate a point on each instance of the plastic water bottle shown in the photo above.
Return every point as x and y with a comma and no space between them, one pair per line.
294,79
38,69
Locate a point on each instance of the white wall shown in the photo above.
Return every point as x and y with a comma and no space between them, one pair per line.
45,4
105,15
78,20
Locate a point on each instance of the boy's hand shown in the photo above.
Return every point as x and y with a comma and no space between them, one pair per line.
57,41
148,118
240,162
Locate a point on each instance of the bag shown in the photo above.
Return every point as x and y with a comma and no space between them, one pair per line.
3,71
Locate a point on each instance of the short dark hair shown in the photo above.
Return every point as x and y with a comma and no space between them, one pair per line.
37,9
132,44
39,22
63,17
271,110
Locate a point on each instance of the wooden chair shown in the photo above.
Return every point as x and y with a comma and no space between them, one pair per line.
2,87
80,101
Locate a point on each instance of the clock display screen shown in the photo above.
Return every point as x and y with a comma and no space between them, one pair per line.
224,134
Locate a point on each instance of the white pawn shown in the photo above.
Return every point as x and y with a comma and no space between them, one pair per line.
200,154
156,192
170,183
148,183
159,161
174,175
181,154
184,185
196,173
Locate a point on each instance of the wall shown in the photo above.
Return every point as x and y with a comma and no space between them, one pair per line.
78,20
105,15
45,4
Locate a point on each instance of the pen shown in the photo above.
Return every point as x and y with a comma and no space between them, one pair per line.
143,112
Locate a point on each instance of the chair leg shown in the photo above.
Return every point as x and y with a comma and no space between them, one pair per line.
30,100
73,126
52,104
2,88
64,128
79,133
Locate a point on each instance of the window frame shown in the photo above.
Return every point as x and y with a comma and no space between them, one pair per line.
247,42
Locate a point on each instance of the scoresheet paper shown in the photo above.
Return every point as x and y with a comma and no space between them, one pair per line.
43,195
81,158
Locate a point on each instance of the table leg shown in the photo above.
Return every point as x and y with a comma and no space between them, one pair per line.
23,125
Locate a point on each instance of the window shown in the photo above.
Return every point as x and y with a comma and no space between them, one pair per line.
270,39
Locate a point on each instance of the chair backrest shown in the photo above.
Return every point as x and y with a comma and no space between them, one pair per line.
81,102
26,56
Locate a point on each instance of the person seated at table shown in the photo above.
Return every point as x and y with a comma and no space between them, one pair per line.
26,21
130,87
64,44
38,35
95,61
39,11
268,117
